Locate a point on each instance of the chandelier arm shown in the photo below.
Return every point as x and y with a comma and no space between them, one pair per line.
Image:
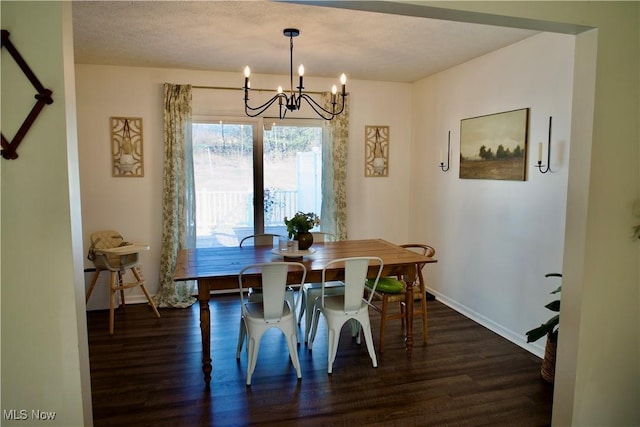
315,106
262,108
282,113
319,110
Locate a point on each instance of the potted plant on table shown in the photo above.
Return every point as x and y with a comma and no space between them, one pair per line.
298,227
550,330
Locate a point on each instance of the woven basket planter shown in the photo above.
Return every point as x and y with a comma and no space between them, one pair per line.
548,368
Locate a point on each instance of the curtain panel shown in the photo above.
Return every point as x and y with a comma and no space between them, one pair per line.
334,176
178,196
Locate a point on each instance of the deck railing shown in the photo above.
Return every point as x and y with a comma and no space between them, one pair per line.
235,208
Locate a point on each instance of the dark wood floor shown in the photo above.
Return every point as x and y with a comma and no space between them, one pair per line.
149,374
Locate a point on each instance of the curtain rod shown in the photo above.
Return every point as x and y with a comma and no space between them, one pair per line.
239,88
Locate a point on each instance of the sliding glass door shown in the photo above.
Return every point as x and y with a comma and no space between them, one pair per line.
248,179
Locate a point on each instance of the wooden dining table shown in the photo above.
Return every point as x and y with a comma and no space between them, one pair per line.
218,268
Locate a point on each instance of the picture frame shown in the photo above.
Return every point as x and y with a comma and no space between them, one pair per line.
376,151
495,146
127,157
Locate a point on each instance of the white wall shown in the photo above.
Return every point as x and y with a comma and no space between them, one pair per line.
45,358
133,205
598,367
495,240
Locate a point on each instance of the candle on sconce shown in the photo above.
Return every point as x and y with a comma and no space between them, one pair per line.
539,152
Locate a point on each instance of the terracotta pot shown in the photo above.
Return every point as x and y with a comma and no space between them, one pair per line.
305,240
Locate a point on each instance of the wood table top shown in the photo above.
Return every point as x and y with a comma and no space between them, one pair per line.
224,263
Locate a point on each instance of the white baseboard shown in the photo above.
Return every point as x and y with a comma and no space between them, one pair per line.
506,333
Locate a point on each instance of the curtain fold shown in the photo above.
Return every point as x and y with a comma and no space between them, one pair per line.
334,175
178,196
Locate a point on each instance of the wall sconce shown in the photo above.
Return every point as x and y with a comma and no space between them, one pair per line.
545,168
442,166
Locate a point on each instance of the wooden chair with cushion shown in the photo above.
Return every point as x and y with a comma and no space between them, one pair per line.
391,290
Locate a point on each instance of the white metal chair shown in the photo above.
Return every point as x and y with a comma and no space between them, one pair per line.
109,252
311,291
338,309
266,239
272,312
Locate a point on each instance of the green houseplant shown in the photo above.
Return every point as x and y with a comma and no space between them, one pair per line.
550,330
298,227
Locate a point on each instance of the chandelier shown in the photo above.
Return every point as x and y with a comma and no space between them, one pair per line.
293,100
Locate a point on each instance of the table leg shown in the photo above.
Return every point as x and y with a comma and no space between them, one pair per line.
410,281
205,325
409,319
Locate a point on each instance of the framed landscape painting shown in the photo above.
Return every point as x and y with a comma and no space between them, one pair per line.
495,146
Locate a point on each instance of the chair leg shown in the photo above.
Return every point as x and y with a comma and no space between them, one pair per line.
253,346
303,306
241,337
290,298
333,337
292,343
138,277
383,321
94,279
368,338
120,285
424,319
355,330
314,325
112,302
310,305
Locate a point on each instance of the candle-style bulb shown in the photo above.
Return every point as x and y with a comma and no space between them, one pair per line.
301,70
334,89
343,79
540,152
279,89
247,71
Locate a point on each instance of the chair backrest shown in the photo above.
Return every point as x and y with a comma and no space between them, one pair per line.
355,275
108,239
266,239
320,237
274,283
422,249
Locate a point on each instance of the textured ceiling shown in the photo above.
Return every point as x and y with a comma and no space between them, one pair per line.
227,35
